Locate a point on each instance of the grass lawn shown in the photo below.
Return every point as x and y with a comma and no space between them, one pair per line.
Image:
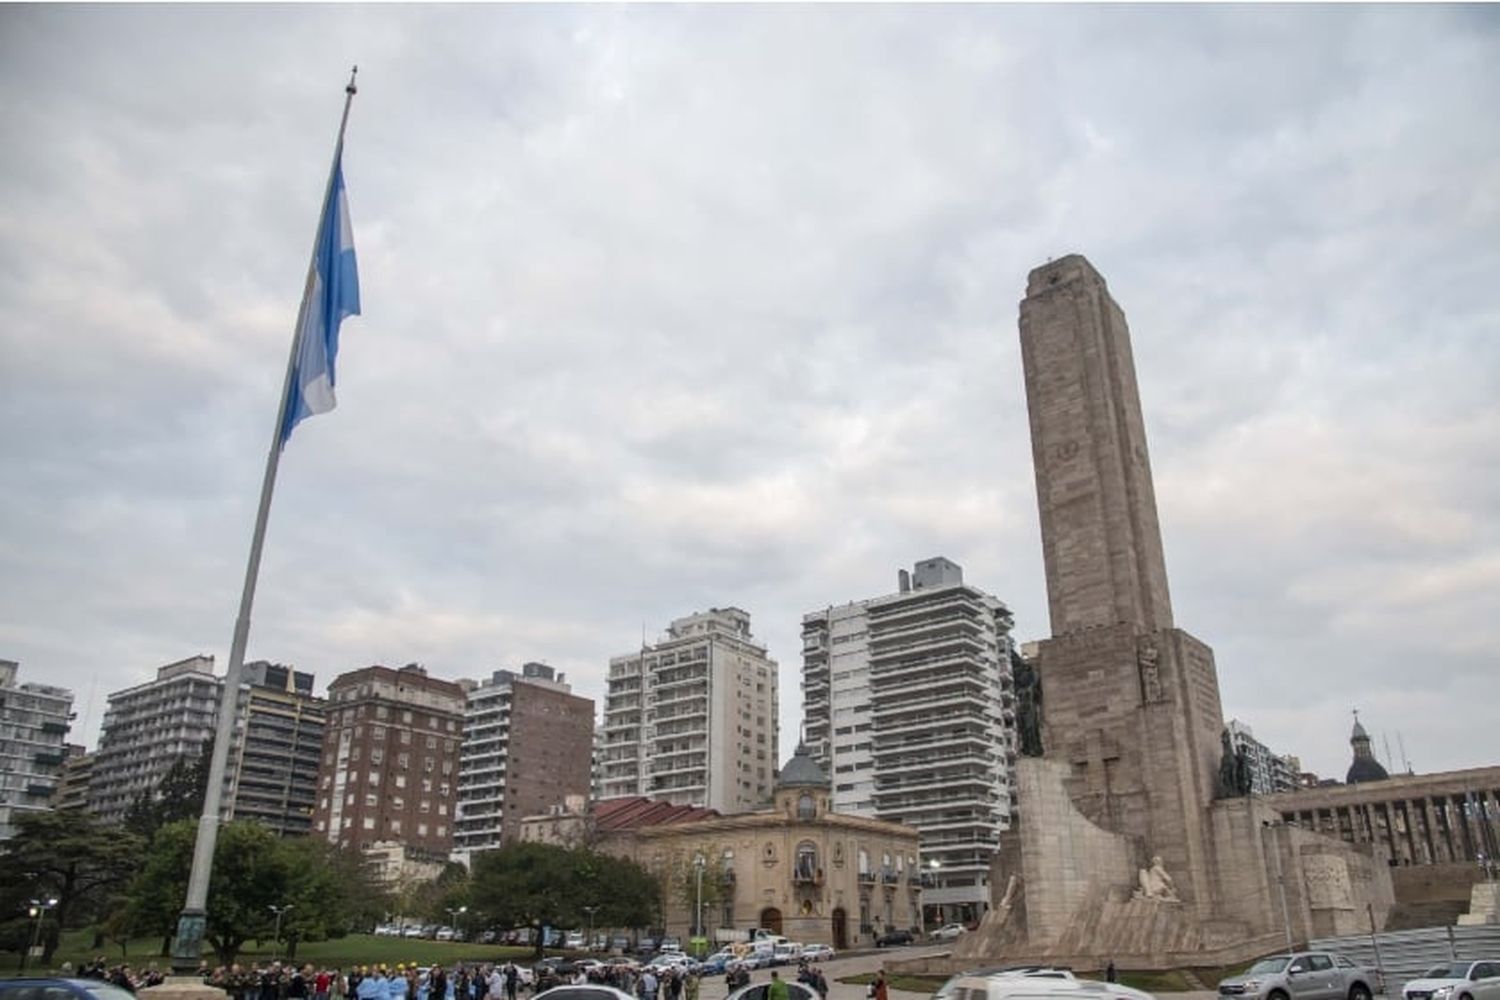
356,949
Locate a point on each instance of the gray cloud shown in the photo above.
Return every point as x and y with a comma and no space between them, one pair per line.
673,307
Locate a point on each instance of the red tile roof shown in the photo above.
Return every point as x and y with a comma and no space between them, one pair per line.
633,812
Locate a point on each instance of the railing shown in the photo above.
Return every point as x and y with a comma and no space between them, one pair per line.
1406,955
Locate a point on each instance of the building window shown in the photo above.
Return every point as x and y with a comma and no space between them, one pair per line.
805,868
369,823
421,829
395,826
401,778
806,808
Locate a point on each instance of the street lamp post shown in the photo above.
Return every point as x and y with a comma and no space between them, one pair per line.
590,911
279,910
36,911
454,913
698,863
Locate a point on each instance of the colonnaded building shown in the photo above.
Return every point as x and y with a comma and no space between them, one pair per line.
798,868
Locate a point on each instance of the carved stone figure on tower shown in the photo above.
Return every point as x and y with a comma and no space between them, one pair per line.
1156,884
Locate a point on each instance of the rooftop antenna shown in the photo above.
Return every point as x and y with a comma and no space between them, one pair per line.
1389,764
1401,744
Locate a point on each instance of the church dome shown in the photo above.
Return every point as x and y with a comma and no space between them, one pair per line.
1365,767
802,771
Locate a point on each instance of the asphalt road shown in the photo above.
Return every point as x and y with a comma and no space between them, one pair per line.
712,987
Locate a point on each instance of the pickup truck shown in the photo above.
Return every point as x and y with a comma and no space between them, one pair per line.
1303,975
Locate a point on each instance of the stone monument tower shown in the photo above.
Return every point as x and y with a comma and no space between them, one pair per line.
1128,844
1132,703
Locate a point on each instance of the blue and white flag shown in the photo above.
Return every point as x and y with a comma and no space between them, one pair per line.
332,294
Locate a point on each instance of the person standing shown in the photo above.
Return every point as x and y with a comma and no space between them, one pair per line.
882,992
777,990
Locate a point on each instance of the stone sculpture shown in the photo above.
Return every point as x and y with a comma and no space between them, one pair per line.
1156,884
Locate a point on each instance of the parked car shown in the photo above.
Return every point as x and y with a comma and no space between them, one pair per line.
760,991
817,952
412,931
1303,975
60,989
1456,981
717,963
947,932
894,937
443,934
573,940
388,930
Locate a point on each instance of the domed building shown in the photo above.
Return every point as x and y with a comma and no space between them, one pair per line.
794,867
1365,767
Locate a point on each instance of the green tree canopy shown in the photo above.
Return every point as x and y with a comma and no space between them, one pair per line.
536,885
328,890
178,796
68,857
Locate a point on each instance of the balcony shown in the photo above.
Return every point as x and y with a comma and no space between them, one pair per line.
807,879
867,877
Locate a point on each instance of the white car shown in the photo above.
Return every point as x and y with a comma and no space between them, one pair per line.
573,941
947,932
1456,981
1040,984
760,991
584,991
817,953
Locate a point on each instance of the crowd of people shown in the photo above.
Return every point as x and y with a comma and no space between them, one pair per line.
505,981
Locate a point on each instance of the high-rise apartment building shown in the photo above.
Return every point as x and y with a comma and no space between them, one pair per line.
272,775
390,759
1269,772
72,791
692,718
908,703
527,746
34,721
147,728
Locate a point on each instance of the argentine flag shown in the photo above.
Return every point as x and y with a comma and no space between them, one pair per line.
332,294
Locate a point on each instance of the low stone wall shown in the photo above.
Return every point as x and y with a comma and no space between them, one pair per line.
1446,883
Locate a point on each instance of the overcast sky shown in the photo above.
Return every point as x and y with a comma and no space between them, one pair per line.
669,308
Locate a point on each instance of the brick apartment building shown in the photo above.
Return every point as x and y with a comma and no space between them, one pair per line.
390,759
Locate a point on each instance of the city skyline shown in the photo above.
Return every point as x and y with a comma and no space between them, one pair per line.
634,348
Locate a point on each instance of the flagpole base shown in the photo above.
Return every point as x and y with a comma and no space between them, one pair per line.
187,947
182,988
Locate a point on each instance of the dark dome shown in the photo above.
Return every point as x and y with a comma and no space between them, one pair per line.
802,771
1365,769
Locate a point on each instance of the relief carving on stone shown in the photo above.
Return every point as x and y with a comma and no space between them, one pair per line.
1156,884
1146,661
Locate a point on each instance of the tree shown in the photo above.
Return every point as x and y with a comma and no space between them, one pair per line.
544,885
68,857
328,889
250,874
179,795
686,887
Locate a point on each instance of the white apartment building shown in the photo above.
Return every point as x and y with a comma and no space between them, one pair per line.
908,703
147,728
1269,772
527,747
692,718
34,720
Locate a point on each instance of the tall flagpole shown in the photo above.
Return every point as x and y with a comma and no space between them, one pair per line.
187,949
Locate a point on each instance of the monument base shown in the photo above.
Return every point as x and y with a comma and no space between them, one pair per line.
182,988
1071,890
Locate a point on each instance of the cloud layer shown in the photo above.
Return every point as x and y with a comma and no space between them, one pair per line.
677,307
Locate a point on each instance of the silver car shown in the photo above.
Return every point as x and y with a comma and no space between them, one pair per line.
1303,975
1456,981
